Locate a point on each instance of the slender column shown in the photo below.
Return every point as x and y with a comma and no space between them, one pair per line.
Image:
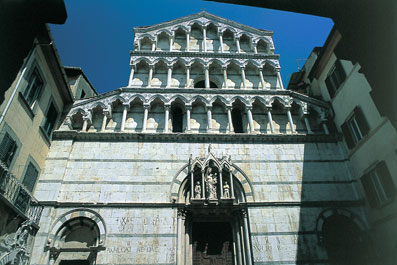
192,183
145,114
229,117
243,254
131,75
85,125
149,80
243,77
238,45
188,109
238,241
308,128
246,239
207,77
269,117
279,79
231,183
221,41
153,46
171,42
255,48
291,123
221,182
250,119
209,118
105,119
225,76
325,128
187,84
166,117
169,75
125,109
202,184
187,41
205,38
179,246
262,79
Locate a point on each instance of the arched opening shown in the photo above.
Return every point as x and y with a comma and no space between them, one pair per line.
163,42
196,38
228,41
77,121
214,230
261,46
97,118
212,38
344,241
245,44
180,40
146,44
237,120
159,78
77,242
177,119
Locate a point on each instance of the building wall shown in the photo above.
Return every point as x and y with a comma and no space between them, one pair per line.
379,145
130,185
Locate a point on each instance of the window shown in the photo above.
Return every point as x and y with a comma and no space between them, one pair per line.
378,185
7,149
50,120
82,94
335,78
30,178
237,121
355,128
34,87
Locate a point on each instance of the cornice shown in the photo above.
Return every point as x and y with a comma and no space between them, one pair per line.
205,55
208,16
194,137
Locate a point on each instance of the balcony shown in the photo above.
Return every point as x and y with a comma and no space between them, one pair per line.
18,197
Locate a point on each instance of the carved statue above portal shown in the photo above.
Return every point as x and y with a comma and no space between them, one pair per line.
197,190
211,180
226,190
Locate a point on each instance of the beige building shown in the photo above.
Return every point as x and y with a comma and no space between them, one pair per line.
370,139
33,107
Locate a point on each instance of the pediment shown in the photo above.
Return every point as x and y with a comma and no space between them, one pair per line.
203,19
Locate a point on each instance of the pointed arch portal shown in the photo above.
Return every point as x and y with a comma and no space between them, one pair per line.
213,221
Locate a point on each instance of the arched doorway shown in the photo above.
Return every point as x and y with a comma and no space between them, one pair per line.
344,241
213,224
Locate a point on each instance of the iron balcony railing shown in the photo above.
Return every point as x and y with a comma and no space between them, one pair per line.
18,195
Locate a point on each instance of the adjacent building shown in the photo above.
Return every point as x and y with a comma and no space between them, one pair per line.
33,107
203,158
369,138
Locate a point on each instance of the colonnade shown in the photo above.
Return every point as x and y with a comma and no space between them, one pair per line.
253,42
87,118
207,74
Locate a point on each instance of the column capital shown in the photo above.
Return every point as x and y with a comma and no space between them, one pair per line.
170,66
167,106
224,67
248,107
188,66
146,106
269,107
208,107
188,107
126,106
206,67
229,107
151,66
220,33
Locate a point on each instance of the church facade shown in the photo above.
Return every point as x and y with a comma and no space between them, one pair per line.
204,158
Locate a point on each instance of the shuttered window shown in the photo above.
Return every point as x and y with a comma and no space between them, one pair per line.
335,78
355,128
35,84
30,178
378,185
7,149
50,120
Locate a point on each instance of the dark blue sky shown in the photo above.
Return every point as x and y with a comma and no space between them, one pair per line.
98,34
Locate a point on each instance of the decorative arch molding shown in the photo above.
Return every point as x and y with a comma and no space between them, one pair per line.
332,212
76,213
238,173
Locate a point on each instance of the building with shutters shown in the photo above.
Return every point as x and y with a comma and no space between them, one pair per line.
370,138
32,109
202,158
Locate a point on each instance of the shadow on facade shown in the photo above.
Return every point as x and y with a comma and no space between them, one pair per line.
330,228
